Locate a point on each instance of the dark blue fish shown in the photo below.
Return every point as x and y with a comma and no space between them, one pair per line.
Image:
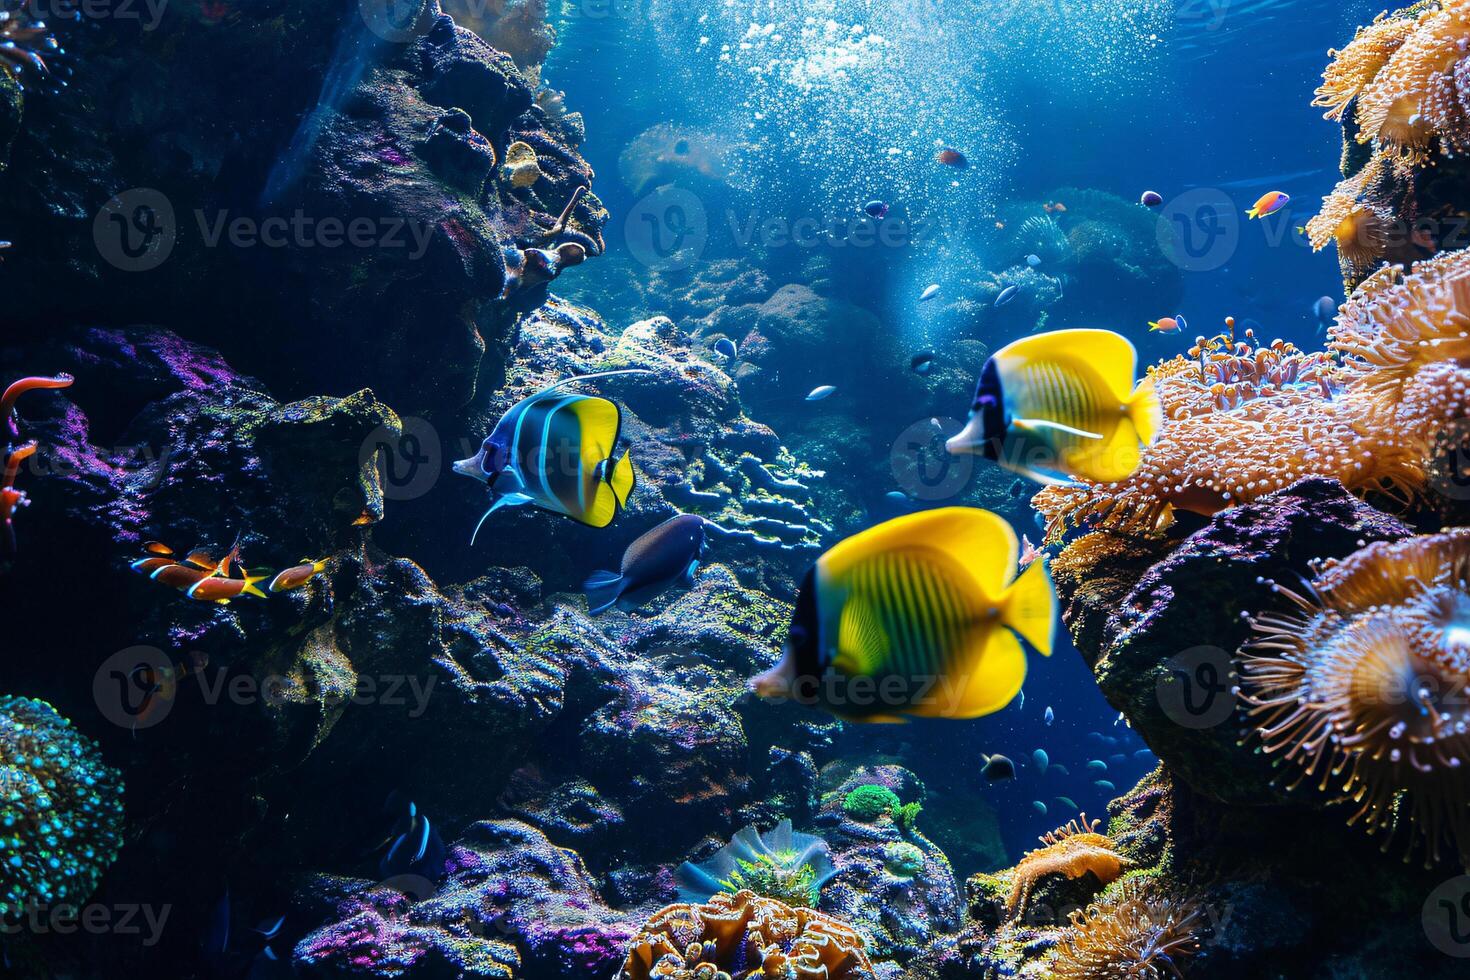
998,768
1151,199
664,557
726,347
922,363
555,450
1325,310
415,848
246,956
876,209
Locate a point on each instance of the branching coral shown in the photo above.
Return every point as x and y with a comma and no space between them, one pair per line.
60,808
744,936
1141,931
781,864
1359,691
1071,851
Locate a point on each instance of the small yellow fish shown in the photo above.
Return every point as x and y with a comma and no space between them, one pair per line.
916,617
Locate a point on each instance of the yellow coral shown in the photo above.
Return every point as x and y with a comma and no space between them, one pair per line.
1396,323
1416,94
744,936
1142,931
1356,65
1071,851
521,165
1359,689
1352,221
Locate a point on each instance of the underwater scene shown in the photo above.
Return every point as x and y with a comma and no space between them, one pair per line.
728,489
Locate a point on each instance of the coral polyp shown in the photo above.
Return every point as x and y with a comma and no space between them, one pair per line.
1355,220
1359,63
1419,92
1357,692
745,936
60,809
1142,931
1071,851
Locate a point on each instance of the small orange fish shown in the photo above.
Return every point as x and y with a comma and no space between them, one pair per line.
151,564
364,519
1269,204
295,578
1055,207
1165,325
222,590
177,576
157,548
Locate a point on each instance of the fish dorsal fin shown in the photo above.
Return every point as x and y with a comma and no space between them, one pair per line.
862,642
977,541
1032,425
1107,355
556,385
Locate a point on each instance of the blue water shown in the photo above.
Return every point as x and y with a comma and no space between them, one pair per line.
813,109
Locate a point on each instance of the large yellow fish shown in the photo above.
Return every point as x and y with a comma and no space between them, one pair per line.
917,616
1060,406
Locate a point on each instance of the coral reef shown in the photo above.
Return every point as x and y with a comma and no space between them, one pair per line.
1138,931
1355,691
61,809
1071,851
745,936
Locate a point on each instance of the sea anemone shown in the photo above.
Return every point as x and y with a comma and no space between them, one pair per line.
1142,931
902,859
1354,222
1396,322
742,937
60,809
869,802
1071,851
1420,92
781,864
1360,62
1358,690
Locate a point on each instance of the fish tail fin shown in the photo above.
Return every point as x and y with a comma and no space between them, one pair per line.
1031,607
1153,325
1253,213
250,585
603,590
1146,411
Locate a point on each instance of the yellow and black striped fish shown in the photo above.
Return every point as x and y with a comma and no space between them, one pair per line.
554,450
917,616
1061,406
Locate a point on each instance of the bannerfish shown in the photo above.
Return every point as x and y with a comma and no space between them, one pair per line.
297,576
951,157
1270,203
1006,295
1049,715
930,291
997,768
1040,759
666,556
1063,405
1168,324
727,347
876,209
922,363
924,608
214,588
821,392
1151,199
1033,260
554,450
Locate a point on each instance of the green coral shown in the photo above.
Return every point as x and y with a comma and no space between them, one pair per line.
868,803
907,815
903,860
774,877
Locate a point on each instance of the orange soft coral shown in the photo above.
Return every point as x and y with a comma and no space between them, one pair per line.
18,388
745,936
1071,851
1357,691
1360,62
1353,221
1396,322
1141,931
1418,94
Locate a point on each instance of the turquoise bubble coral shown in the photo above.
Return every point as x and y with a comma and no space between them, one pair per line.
903,860
868,803
60,808
781,864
